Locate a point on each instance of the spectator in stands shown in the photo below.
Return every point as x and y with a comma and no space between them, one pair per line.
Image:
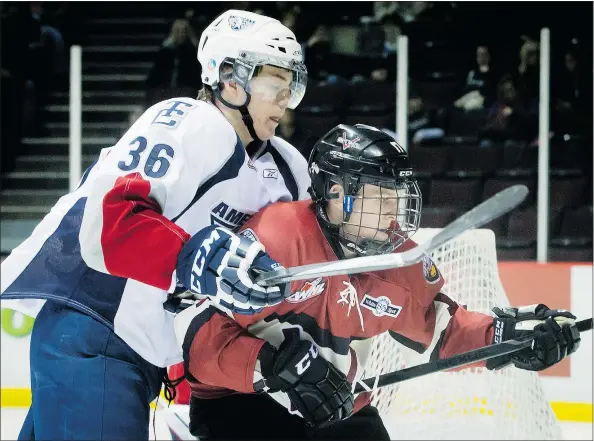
175,70
197,22
317,54
50,51
572,96
480,87
33,57
528,74
290,17
508,118
406,11
382,10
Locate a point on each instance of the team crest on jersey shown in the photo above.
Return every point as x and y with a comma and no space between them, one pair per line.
309,290
381,306
240,23
228,217
430,271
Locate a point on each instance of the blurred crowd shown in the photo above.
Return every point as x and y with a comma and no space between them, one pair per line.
491,80
473,68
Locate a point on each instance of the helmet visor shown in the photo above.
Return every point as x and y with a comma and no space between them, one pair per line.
272,88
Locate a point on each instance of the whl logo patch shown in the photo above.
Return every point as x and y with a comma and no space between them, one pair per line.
308,291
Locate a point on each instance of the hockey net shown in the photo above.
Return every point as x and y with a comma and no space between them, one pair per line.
473,403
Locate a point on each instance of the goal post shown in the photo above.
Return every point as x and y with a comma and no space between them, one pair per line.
472,403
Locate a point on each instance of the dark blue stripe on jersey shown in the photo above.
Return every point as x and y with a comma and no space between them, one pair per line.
322,337
284,170
195,325
86,174
230,170
58,272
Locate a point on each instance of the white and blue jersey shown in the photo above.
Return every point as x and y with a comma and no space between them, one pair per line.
110,247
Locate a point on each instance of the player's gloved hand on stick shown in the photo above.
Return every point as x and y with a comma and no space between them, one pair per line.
319,391
555,336
223,266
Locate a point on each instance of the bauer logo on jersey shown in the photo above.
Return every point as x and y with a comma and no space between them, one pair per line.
228,217
381,306
249,233
430,271
308,290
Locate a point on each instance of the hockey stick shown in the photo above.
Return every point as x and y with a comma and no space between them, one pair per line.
492,351
483,213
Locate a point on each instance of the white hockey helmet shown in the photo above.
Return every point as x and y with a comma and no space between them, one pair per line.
245,41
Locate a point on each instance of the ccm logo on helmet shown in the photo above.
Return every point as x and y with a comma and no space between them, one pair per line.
405,173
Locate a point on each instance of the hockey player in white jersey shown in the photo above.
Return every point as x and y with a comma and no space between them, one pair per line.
156,213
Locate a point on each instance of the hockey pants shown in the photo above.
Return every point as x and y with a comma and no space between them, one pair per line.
86,383
259,417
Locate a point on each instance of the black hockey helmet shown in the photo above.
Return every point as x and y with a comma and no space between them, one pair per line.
353,156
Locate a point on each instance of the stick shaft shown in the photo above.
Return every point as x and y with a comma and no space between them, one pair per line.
480,354
492,208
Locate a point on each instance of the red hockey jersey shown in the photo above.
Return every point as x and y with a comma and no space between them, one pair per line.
340,314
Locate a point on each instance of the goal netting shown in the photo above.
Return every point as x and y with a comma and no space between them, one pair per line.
473,403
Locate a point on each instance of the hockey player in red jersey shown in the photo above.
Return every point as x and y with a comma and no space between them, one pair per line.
307,352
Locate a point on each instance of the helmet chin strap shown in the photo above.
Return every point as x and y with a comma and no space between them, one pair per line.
243,109
332,231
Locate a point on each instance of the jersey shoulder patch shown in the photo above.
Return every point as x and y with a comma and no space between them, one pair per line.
430,271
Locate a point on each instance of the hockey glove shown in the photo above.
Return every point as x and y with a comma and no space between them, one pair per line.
555,336
319,391
223,266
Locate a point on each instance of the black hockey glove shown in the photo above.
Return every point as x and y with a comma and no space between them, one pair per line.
319,391
555,336
224,266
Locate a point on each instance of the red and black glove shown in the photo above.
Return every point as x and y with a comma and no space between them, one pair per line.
555,336
319,391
